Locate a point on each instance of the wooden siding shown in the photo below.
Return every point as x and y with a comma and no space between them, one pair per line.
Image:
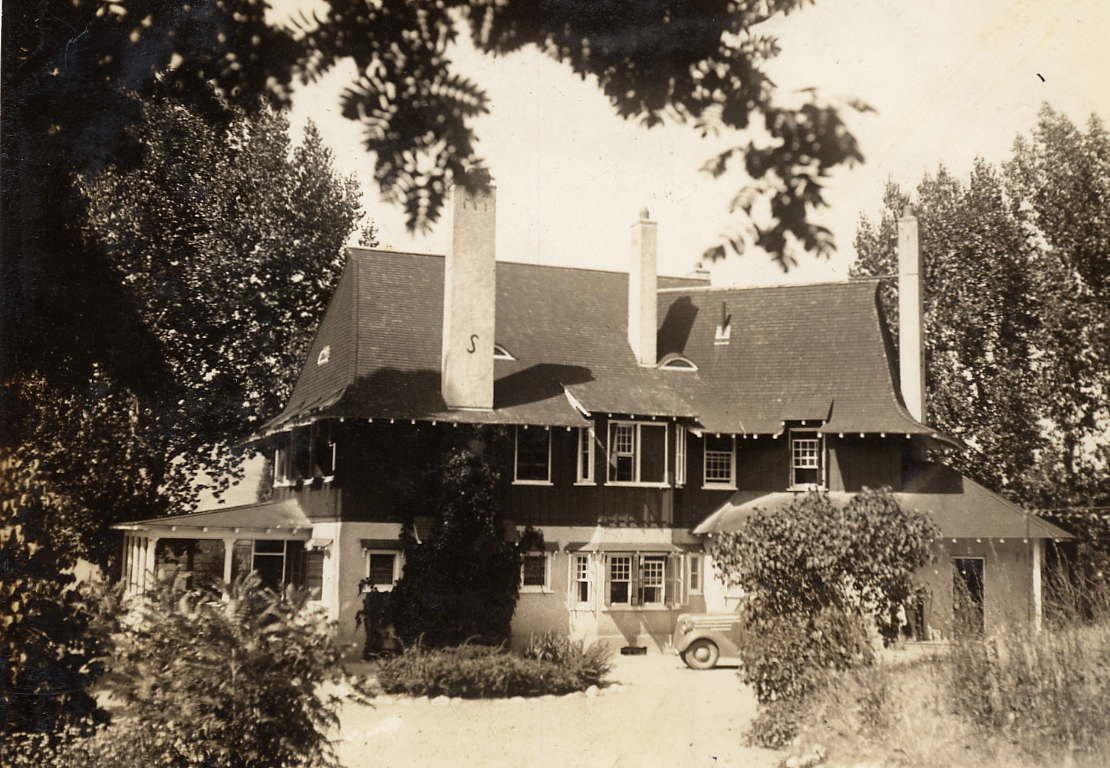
874,462
359,493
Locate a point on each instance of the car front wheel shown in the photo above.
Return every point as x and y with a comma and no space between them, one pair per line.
702,654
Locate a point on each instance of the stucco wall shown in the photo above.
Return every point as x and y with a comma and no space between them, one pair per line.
344,567
1009,597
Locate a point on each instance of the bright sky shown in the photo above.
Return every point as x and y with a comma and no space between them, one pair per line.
950,80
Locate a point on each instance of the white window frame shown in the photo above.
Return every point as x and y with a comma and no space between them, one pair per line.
581,576
283,554
282,458
661,561
819,457
679,456
722,485
695,562
516,448
585,435
609,580
398,567
637,452
537,588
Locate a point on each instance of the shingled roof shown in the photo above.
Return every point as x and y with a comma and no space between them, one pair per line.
805,352
960,507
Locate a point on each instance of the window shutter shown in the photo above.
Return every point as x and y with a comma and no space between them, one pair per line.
603,561
673,581
635,587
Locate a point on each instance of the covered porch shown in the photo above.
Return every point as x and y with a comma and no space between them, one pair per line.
212,546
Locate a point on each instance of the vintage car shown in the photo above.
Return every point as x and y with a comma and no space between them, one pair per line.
703,640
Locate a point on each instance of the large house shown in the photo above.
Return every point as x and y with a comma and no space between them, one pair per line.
646,413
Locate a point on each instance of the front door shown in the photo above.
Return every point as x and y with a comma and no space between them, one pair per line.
967,594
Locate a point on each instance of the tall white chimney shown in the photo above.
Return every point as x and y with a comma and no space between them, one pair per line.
469,296
642,294
911,349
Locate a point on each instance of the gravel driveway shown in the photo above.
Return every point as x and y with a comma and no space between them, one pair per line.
658,712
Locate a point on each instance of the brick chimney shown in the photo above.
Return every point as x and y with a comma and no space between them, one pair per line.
642,293
469,296
911,349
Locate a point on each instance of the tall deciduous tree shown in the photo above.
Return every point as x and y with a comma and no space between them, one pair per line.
1017,311
76,72
229,242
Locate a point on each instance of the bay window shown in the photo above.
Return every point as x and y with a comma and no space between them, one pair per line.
637,453
582,579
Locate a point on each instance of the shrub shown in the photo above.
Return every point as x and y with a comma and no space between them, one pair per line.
205,681
49,650
461,582
476,671
787,657
590,664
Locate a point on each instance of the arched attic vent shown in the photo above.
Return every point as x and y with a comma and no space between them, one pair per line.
500,353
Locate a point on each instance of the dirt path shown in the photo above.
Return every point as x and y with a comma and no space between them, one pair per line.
659,713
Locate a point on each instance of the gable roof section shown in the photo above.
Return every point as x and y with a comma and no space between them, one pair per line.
806,352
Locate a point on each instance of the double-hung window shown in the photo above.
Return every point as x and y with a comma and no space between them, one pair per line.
533,456
620,579
585,456
680,456
637,453
720,461
694,570
535,572
582,579
805,459
653,578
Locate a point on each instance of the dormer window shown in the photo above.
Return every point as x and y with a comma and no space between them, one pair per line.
673,362
724,328
500,353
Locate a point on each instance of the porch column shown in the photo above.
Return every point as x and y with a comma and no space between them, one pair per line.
229,552
148,561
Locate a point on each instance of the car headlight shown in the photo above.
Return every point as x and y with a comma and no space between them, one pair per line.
684,626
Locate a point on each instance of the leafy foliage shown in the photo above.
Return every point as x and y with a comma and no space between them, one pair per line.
1017,311
811,574
590,663
237,681
473,671
229,277
461,583
76,73
859,557
48,651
